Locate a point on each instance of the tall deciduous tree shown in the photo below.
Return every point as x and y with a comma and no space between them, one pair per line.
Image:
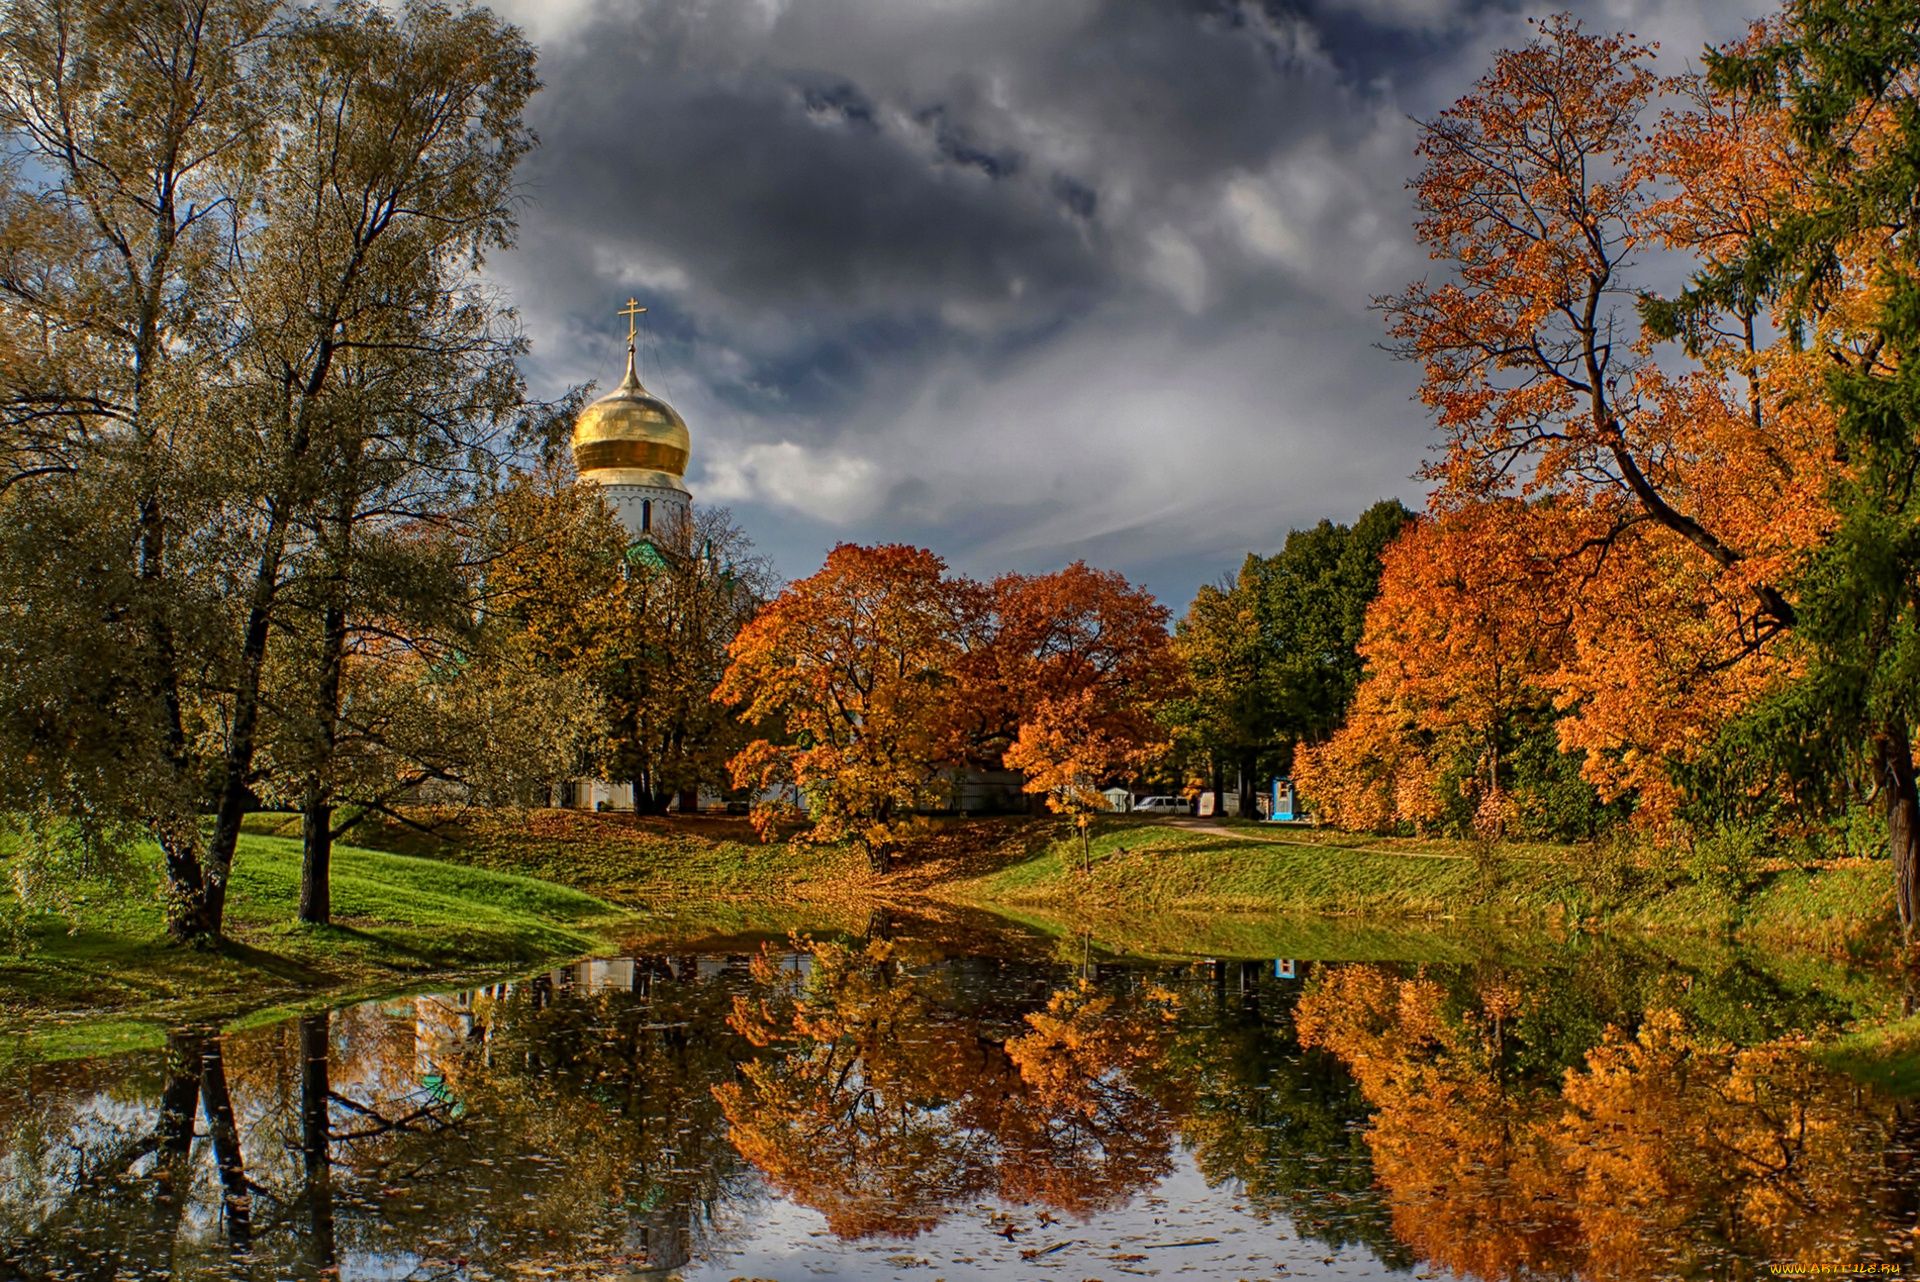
1690,491
1228,710
1085,662
1538,195
645,627
684,604
1463,646
133,135
240,220
1271,657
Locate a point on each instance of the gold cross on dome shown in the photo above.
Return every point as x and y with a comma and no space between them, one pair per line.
631,311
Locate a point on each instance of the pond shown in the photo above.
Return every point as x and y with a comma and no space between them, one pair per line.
889,1106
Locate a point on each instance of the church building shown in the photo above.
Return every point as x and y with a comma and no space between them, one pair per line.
634,446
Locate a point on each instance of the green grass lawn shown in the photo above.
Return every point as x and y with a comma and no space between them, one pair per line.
680,878
102,975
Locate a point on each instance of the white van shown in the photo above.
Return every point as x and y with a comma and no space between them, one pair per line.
1163,806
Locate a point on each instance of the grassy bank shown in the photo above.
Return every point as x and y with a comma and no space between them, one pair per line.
631,859
681,877
99,974
1142,869
504,892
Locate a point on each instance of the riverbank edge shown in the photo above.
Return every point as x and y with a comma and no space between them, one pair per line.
1183,892
1148,889
100,978
672,869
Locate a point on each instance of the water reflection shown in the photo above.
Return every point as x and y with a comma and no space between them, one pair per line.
1668,1152
890,1103
866,1108
567,1118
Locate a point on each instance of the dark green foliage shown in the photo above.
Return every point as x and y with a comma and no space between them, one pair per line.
1272,655
1556,802
1831,64
1313,598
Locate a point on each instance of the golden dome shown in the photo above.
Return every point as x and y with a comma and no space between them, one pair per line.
631,437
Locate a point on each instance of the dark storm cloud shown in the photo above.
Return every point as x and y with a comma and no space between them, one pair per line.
777,203
1022,281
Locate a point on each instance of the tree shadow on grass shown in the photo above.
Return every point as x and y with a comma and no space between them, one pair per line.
294,970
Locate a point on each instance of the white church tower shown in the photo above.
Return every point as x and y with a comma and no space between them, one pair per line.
634,446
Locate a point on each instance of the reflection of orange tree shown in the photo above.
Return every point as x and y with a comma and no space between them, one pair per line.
1674,1147
1077,1134
1666,1154
885,1110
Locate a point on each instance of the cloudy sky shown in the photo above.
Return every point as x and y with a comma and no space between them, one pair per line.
1023,281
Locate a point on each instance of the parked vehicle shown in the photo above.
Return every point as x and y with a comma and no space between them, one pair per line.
1163,806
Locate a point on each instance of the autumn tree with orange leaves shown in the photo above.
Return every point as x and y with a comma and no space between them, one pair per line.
1541,196
1649,478
1467,645
1086,661
857,663
1460,658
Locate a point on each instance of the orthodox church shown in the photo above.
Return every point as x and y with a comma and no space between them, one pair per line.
634,446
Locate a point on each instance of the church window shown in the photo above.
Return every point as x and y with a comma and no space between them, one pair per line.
646,514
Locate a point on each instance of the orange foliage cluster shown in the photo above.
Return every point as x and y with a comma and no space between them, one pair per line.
1616,515
1665,1155
1465,633
887,675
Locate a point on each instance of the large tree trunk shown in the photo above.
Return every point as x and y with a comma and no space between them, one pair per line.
316,854
186,894
1893,771
1249,805
1219,789
316,859
644,800
236,792
178,834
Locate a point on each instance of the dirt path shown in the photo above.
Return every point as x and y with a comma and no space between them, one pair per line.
1217,828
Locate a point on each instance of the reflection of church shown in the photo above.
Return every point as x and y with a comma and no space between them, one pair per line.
634,446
